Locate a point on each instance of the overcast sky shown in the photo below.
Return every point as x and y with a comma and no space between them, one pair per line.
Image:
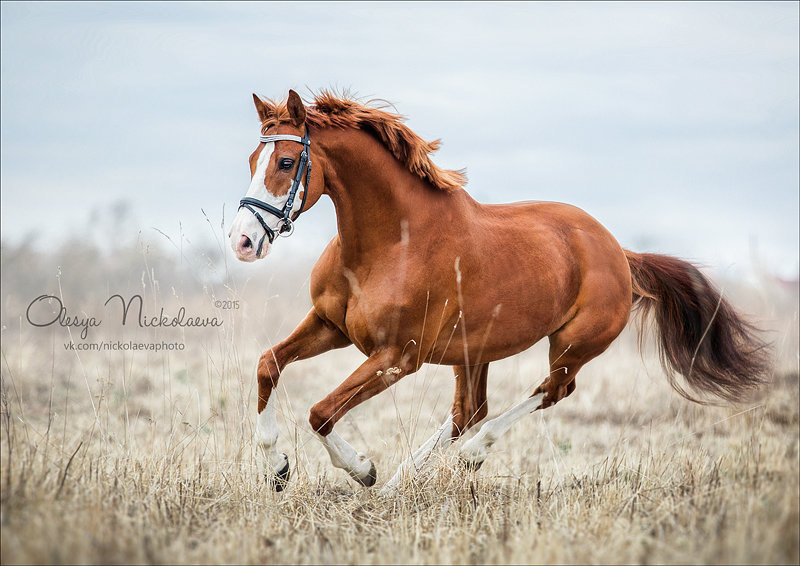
674,124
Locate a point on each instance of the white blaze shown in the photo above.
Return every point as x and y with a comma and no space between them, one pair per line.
245,222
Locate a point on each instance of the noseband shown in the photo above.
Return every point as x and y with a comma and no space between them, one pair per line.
286,226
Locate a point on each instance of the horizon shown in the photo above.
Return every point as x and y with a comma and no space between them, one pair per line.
653,118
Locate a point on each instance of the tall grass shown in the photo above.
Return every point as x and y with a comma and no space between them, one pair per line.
112,457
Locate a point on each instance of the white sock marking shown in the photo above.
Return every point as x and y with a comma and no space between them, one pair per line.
345,456
267,437
422,456
476,448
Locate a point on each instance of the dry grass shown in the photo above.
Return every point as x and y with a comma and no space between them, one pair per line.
148,457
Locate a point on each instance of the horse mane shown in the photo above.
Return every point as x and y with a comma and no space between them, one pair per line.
345,111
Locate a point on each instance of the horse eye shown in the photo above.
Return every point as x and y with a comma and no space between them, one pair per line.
286,163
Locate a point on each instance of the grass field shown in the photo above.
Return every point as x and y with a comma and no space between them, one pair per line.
147,457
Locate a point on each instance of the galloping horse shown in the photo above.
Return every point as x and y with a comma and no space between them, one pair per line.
420,272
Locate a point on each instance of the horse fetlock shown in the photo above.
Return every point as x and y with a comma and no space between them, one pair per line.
475,451
270,458
473,461
365,466
267,439
363,471
368,479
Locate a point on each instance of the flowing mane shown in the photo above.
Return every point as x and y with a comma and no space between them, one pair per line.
330,110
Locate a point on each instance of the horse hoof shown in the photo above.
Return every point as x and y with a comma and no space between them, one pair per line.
371,477
281,477
470,465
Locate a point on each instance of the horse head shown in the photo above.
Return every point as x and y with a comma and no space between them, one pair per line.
280,179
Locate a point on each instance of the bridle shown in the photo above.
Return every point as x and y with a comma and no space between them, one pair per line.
287,225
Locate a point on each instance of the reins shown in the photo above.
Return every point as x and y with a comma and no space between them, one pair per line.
287,223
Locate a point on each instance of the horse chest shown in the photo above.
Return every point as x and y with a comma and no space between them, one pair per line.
369,317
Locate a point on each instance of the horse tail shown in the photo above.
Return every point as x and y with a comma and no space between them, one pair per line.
700,336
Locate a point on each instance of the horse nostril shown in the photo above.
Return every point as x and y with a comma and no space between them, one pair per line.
246,243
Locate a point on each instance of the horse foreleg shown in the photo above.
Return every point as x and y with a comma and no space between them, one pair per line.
469,408
312,337
372,377
274,464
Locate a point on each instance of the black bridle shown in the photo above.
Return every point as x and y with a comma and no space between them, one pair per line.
286,226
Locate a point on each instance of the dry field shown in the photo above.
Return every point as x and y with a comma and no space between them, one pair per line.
147,457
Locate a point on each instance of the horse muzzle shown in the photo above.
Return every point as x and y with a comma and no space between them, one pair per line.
248,250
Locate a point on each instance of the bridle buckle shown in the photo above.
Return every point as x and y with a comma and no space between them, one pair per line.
286,229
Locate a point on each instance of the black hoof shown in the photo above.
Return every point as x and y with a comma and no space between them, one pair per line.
281,478
370,478
470,465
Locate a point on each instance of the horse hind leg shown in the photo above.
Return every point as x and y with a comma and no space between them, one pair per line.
582,339
571,347
469,401
476,449
469,408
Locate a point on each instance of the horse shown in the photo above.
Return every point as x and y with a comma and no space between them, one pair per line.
419,272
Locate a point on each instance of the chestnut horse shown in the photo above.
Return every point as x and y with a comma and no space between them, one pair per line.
419,272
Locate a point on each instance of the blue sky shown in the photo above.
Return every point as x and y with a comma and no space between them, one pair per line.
675,124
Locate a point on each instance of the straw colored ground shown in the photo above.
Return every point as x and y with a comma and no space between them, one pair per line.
147,457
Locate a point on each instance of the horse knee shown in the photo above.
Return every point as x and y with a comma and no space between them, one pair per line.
268,369
320,419
267,375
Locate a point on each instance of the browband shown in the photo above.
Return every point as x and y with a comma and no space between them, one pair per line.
283,137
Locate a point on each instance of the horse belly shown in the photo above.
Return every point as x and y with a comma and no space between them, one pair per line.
512,325
520,284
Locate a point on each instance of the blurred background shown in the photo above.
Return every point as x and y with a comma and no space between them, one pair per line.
125,130
674,124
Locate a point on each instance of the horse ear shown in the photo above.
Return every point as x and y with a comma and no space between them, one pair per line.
297,112
265,111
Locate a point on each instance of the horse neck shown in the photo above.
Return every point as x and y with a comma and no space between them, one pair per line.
375,196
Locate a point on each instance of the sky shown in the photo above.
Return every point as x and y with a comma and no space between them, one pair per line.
674,124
